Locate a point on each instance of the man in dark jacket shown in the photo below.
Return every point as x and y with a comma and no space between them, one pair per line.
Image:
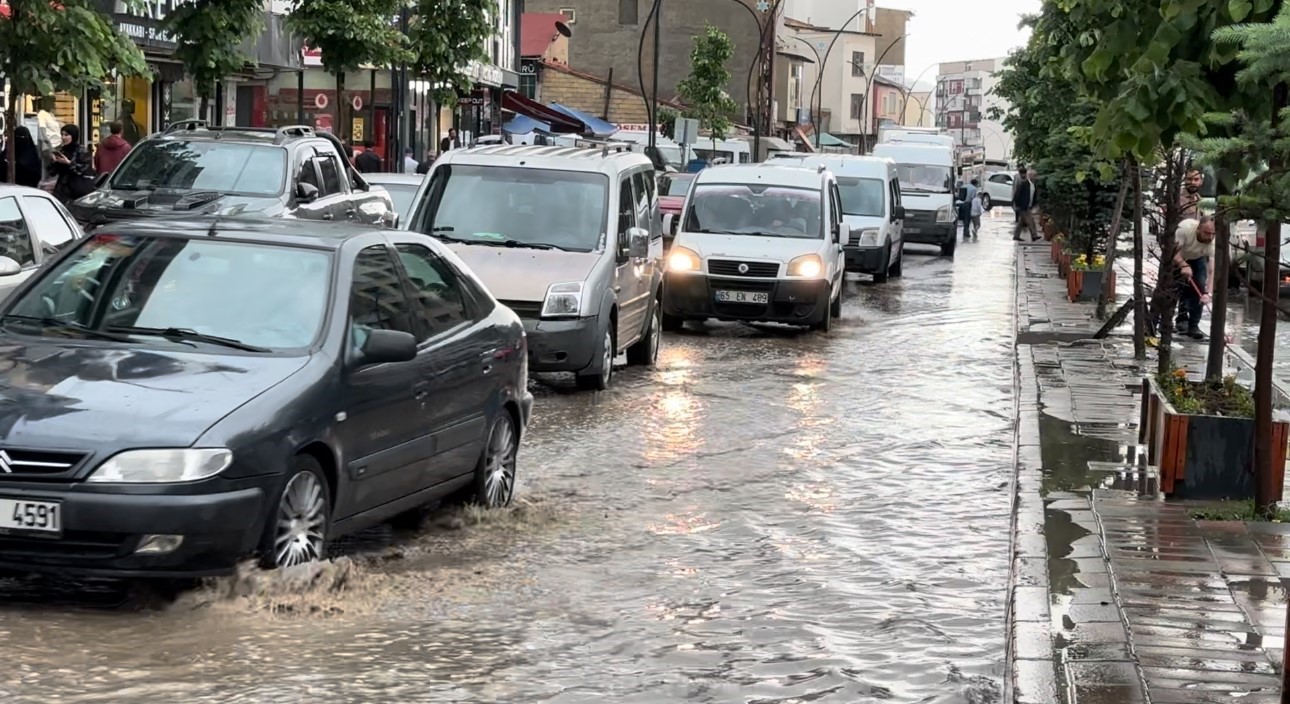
368,162
1023,202
111,151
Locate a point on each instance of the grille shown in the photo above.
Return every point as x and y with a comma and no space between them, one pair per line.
35,463
525,309
726,267
741,285
72,544
917,219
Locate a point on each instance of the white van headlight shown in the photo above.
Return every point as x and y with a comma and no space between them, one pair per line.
682,259
945,214
870,238
162,466
807,265
563,300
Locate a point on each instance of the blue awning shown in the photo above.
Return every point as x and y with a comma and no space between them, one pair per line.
597,126
523,124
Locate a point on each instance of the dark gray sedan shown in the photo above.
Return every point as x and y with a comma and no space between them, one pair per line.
179,394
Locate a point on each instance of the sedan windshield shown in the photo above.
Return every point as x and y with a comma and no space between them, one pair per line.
862,196
924,178
235,169
770,211
194,292
517,207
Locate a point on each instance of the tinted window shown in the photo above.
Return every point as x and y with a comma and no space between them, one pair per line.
264,295
743,210
642,198
497,204
330,171
376,299
245,169
52,229
441,303
1001,178
862,196
15,238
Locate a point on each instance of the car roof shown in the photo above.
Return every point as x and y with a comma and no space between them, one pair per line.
607,160
201,131
840,163
768,173
299,233
9,189
392,178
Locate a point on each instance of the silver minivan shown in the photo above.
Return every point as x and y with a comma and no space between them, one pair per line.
569,238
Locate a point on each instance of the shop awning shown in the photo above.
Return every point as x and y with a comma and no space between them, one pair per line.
556,120
597,126
828,140
523,124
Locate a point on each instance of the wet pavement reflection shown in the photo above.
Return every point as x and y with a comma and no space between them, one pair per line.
766,516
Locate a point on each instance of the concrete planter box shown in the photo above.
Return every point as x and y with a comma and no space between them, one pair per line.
1087,285
1203,457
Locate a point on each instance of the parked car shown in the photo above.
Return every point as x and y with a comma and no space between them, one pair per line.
997,189
181,394
672,189
402,189
760,243
570,238
194,168
34,228
1254,263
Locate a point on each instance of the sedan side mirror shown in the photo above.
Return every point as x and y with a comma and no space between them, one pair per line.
387,347
844,235
306,192
9,267
897,213
638,243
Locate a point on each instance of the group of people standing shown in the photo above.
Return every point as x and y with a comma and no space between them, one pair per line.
369,162
67,168
970,204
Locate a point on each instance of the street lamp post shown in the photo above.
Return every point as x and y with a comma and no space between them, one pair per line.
909,90
838,35
966,104
864,133
815,120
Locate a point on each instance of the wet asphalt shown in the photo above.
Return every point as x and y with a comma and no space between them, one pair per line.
766,516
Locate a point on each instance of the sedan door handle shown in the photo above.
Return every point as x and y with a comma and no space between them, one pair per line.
328,216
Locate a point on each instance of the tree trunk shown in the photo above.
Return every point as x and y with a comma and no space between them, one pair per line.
339,129
1218,316
202,107
1113,237
1264,469
1167,279
1139,288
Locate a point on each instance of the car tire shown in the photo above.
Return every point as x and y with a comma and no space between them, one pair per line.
826,323
673,323
881,276
947,249
986,202
494,483
645,352
898,269
603,373
835,308
296,528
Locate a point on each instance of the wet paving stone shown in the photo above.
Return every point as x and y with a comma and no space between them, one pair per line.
1035,681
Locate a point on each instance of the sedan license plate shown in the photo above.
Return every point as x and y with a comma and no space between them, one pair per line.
912,231
743,297
22,516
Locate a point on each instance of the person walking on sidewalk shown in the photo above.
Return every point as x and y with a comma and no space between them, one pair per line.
112,150
967,195
1023,202
1193,260
369,162
977,209
1016,183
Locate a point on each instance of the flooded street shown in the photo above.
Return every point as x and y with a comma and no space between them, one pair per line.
766,516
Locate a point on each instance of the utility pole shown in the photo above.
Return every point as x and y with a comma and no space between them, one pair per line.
657,12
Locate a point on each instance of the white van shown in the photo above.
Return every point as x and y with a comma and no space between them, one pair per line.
926,174
733,151
918,135
758,243
870,189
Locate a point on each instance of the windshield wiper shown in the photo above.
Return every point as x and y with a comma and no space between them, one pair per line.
187,335
47,323
529,245
707,231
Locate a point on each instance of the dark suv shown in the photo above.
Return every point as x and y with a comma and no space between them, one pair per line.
193,168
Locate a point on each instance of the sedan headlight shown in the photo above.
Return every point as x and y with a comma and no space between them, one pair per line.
945,214
807,265
870,238
162,466
563,300
682,259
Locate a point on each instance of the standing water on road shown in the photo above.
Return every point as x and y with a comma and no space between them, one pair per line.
765,516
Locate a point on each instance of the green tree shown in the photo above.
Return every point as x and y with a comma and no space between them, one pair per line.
59,46
704,90
445,36
211,34
350,34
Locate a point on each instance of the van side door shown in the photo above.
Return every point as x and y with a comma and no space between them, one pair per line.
897,226
839,264
627,283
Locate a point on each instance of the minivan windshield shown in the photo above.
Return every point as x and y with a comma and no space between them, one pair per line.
235,169
862,196
187,291
516,206
769,211
924,178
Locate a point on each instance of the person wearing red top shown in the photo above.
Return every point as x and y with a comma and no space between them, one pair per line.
112,150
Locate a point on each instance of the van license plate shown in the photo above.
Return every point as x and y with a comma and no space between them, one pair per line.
913,231
20,516
743,297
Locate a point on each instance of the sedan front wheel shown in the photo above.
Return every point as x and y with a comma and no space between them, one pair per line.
297,527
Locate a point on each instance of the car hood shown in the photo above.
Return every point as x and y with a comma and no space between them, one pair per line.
54,394
515,274
923,202
863,222
748,246
108,205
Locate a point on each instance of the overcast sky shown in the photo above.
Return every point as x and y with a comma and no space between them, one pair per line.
954,30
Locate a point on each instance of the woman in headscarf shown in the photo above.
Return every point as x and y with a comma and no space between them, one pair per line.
27,158
73,165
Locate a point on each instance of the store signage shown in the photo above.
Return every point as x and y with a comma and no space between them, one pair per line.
141,20
357,103
475,99
320,101
486,74
528,67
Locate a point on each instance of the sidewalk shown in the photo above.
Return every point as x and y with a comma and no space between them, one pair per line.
1115,594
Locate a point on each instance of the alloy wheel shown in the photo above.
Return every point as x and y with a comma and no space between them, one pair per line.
302,521
607,359
655,332
499,464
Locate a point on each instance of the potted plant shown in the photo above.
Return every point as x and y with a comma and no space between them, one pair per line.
1200,436
1055,246
1087,280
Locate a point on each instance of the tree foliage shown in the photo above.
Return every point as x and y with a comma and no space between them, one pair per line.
211,34
445,36
704,90
350,33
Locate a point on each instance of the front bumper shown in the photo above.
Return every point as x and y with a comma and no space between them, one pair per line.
866,260
562,345
102,531
794,302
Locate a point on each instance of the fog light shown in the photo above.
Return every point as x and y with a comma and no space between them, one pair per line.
159,544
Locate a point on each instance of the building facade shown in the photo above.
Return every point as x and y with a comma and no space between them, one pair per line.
843,68
920,108
964,99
